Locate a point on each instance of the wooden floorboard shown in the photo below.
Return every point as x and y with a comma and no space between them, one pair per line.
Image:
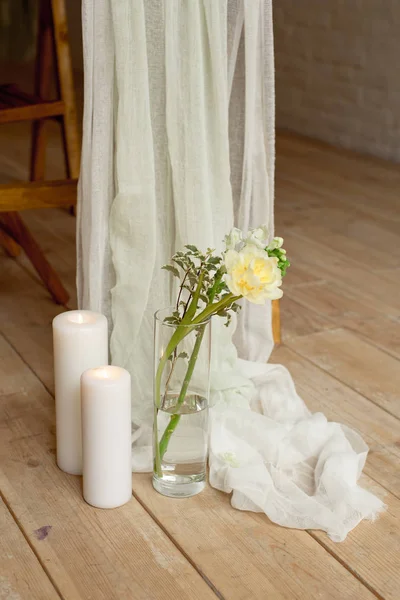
89,553
247,555
341,318
232,542
21,574
357,363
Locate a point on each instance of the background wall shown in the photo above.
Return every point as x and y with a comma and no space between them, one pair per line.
338,72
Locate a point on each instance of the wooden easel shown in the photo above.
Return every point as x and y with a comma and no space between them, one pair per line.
15,105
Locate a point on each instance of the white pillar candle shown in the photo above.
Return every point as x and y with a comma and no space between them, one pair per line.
106,436
80,339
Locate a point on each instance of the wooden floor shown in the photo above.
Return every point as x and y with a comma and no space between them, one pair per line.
340,216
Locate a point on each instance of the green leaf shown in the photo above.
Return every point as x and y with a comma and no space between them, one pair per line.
172,270
172,320
192,279
214,260
183,355
192,248
236,307
211,267
179,262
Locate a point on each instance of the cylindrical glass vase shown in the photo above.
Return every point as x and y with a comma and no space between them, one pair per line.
181,394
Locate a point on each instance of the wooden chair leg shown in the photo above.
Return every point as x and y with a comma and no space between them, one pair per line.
66,87
15,227
43,72
9,245
276,321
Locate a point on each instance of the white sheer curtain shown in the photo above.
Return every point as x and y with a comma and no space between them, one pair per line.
178,146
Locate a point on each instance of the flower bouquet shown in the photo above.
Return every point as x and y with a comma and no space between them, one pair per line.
249,268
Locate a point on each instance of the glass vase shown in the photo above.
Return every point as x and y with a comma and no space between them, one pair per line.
181,394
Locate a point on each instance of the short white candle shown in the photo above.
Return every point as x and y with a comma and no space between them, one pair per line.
80,339
106,436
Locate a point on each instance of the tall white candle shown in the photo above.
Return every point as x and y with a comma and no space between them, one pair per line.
80,339
106,436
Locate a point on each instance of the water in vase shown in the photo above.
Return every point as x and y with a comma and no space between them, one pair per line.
183,465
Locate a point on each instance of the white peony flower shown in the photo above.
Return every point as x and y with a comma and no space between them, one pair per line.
233,238
276,243
258,236
253,274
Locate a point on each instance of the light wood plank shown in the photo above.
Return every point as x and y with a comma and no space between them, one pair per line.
21,574
298,319
360,365
117,554
27,324
366,254
298,276
265,553
246,554
272,544
323,393
25,321
310,261
383,332
344,309
302,201
372,191
340,158
337,304
372,550
344,273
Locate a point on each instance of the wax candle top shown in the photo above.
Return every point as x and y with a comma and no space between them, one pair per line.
107,375
80,319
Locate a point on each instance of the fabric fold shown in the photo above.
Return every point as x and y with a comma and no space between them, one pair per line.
95,272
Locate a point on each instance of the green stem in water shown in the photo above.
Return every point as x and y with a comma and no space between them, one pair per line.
176,338
179,334
175,418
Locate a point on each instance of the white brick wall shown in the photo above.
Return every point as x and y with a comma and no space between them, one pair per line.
338,72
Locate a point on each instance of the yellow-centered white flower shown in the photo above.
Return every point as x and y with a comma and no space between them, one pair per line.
253,274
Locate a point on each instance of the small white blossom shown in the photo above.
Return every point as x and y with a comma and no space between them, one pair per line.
234,237
258,236
276,243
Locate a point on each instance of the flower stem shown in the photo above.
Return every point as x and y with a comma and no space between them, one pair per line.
176,338
212,309
179,334
175,418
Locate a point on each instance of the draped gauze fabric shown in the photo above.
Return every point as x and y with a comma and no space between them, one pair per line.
178,146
